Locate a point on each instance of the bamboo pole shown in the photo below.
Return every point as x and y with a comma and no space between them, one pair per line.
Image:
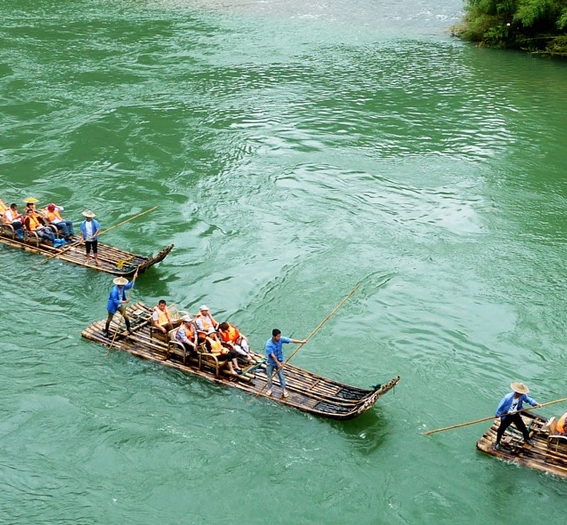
64,250
127,220
489,418
81,241
319,326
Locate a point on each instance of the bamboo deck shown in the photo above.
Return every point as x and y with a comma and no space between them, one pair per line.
308,392
552,460
112,260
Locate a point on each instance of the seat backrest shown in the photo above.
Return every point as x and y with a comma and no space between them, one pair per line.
551,426
173,311
171,334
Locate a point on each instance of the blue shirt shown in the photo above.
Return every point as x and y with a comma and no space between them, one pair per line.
276,349
506,403
96,227
117,296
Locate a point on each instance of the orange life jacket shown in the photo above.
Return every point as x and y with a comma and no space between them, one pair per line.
231,335
33,222
164,317
53,215
216,346
211,342
3,207
189,332
207,321
561,426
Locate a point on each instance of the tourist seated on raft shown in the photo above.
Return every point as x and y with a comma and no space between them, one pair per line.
53,215
161,318
230,335
561,427
205,321
15,218
213,345
3,210
31,205
187,335
36,223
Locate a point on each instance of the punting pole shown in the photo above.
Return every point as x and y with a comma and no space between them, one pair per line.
489,418
77,243
64,250
311,335
127,220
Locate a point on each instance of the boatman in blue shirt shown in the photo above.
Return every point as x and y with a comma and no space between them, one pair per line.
275,360
509,412
117,301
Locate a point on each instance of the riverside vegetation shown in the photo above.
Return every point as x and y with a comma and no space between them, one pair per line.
538,26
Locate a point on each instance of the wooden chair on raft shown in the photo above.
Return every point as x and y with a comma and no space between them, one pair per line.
37,239
176,316
7,229
204,357
554,440
173,346
208,359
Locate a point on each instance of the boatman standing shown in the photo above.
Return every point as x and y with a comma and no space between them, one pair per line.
509,412
275,360
117,301
90,230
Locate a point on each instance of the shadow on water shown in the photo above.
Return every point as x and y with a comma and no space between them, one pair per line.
367,432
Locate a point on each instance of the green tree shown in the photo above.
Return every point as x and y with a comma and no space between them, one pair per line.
533,25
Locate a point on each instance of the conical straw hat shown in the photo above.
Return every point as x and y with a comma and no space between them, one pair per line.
520,388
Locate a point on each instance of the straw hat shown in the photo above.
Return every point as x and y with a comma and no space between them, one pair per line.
520,388
31,200
186,319
120,281
89,213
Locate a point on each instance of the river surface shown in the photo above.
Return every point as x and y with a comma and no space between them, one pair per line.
295,150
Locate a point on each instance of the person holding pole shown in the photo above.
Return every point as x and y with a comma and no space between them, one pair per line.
274,358
90,230
509,412
117,301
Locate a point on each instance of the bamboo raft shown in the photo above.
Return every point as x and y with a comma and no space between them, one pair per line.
548,453
308,392
112,260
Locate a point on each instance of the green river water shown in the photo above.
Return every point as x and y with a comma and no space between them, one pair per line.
295,149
